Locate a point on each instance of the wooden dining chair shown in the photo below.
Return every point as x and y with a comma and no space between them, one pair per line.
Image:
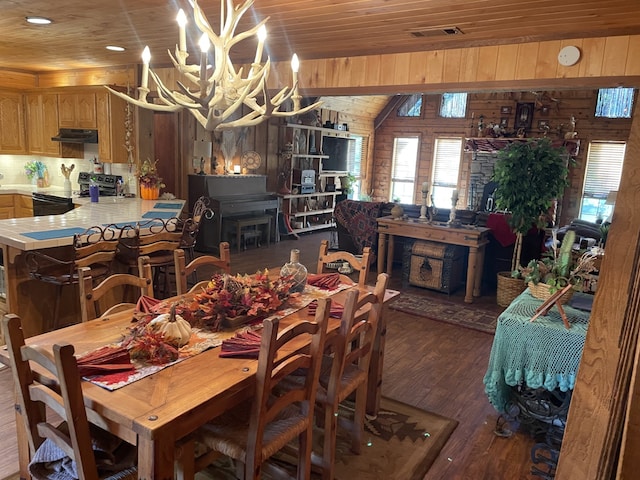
183,270
345,372
349,371
43,403
255,430
113,289
358,264
95,248
156,239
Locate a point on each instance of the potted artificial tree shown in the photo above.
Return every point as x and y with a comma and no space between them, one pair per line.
530,175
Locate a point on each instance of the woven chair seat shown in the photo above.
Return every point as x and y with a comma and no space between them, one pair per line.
229,433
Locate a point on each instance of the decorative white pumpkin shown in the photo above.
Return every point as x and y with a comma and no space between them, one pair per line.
175,329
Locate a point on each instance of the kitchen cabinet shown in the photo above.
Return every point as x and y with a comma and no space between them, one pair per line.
42,124
308,190
6,207
12,126
77,110
22,206
111,112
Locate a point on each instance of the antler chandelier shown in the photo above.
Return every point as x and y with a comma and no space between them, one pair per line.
218,91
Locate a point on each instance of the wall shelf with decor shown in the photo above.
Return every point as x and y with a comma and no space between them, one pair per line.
490,144
310,168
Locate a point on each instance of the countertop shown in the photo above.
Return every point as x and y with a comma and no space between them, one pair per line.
109,210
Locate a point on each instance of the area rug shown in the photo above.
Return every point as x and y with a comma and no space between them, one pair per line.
466,316
401,443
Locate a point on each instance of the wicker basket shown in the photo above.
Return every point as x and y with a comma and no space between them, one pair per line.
542,291
508,288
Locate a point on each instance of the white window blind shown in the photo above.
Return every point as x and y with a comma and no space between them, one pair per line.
603,174
403,173
446,166
355,163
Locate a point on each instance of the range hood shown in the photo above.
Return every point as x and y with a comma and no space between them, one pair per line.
76,135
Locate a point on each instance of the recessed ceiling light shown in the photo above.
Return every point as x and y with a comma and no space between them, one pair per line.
115,48
39,20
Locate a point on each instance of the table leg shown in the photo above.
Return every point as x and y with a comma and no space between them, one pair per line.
477,289
471,274
238,234
156,457
382,245
390,254
268,232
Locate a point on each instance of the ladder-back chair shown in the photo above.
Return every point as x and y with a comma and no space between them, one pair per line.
62,395
113,289
358,264
183,270
255,430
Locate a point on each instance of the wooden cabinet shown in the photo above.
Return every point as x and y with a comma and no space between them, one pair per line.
312,189
111,114
12,126
6,206
22,206
77,110
42,123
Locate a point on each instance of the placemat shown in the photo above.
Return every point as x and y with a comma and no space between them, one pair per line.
171,206
49,234
155,214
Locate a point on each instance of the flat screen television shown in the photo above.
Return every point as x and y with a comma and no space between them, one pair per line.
339,150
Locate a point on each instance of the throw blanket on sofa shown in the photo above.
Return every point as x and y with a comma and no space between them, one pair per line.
359,219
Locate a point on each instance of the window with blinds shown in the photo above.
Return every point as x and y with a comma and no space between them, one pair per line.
403,172
602,176
355,164
446,167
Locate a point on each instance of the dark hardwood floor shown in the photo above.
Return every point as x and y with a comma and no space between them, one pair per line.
429,364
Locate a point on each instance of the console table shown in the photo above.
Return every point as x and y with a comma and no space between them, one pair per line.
471,236
532,371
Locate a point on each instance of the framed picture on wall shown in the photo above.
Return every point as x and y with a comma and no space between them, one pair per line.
504,122
506,110
524,115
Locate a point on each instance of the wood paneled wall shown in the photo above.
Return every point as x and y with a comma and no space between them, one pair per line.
560,106
605,60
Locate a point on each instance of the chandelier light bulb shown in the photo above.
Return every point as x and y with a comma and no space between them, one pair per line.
146,58
182,23
262,33
295,63
204,43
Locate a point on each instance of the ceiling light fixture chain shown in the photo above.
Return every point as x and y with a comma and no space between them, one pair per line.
219,91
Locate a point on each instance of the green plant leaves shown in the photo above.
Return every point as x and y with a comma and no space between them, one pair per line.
530,175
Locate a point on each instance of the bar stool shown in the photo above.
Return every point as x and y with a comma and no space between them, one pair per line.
94,248
159,240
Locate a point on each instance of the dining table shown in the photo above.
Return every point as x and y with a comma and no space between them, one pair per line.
158,410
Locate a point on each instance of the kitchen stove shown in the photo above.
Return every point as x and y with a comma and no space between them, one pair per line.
107,184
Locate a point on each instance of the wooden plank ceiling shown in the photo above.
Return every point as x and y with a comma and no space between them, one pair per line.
82,29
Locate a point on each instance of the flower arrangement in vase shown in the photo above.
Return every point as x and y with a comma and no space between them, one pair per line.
149,180
37,172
